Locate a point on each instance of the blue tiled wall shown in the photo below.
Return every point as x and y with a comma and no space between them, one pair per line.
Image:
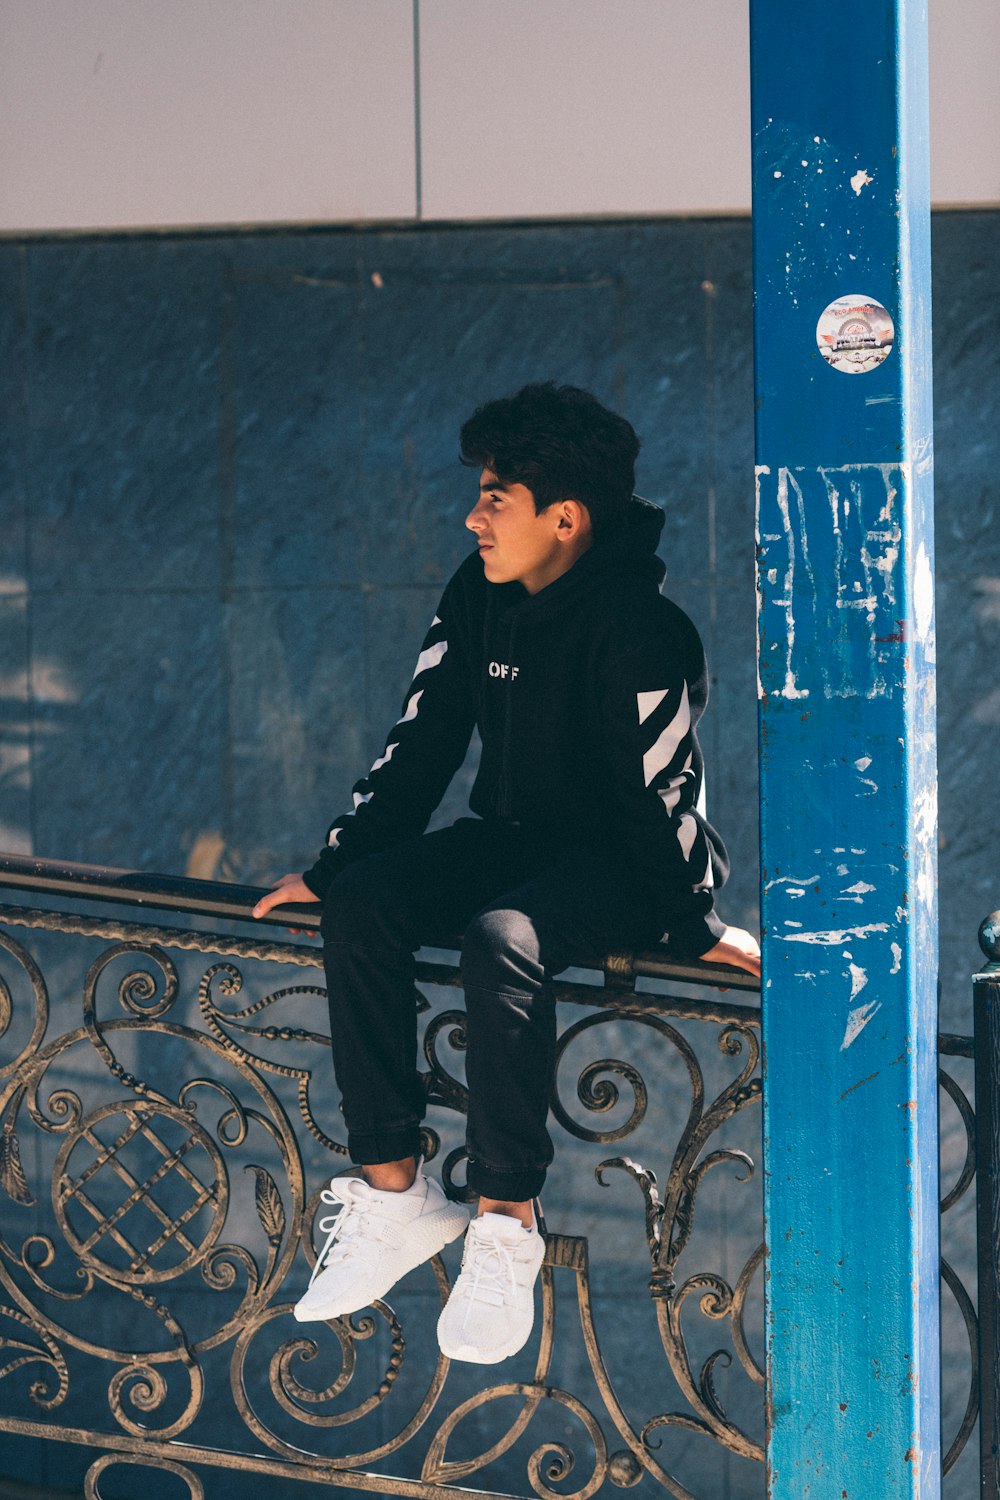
231,497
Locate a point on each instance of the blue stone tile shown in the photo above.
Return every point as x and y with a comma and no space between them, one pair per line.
438,344
539,255
13,517
968,626
123,387
129,725
296,679
396,621
325,256
15,726
966,315
730,745
730,309
652,368
292,429
663,356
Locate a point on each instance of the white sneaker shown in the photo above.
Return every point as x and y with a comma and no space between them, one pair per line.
374,1240
491,1309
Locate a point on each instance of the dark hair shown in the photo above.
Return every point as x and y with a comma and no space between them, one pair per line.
562,444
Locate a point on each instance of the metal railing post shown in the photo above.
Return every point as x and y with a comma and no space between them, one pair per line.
986,1008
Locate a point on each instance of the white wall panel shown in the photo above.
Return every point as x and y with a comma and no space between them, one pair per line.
965,101
135,113
121,113
550,107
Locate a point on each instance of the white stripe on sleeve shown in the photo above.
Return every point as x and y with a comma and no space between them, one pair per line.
687,832
670,794
411,708
430,657
662,751
648,701
387,756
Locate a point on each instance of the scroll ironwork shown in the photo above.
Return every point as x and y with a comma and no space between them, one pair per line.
159,1151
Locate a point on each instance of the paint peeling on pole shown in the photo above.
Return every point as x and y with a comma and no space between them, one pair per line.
848,772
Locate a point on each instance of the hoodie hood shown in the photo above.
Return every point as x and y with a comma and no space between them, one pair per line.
634,541
629,552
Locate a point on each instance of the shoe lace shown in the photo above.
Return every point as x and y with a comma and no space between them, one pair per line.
490,1264
349,1230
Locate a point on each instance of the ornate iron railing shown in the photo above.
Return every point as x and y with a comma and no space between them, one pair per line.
166,1127
986,1015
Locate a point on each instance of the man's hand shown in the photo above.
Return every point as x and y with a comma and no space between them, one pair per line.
288,888
738,948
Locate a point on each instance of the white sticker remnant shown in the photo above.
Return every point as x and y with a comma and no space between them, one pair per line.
860,180
923,593
832,936
857,1021
855,334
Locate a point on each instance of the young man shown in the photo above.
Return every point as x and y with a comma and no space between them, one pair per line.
587,685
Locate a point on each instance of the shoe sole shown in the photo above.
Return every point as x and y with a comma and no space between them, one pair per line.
469,1355
438,1229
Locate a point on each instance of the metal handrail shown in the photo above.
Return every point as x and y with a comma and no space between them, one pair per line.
216,898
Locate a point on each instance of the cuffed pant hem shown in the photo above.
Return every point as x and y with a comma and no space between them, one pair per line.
507,1187
372,1148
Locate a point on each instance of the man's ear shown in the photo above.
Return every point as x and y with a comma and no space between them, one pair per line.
573,519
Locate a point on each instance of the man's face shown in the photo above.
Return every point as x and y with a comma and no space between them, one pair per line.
517,545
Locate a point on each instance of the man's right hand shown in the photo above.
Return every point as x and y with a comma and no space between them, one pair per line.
288,888
738,948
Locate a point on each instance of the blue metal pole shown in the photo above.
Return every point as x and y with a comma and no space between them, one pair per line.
848,776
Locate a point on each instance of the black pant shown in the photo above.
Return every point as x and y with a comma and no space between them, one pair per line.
527,911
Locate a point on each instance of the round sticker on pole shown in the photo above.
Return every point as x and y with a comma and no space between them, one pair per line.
855,334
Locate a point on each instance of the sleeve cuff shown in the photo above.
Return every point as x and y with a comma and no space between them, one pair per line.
692,937
318,879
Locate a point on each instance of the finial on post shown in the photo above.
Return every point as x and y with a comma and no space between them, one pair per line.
989,936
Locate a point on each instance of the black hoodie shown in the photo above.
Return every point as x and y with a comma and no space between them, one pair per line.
587,695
